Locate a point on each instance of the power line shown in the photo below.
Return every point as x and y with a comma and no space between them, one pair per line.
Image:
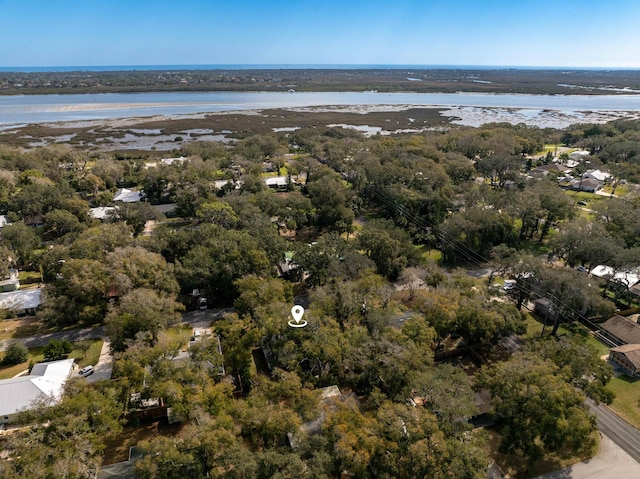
472,256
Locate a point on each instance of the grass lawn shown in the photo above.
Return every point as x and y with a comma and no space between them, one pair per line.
19,328
117,446
591,198
428,255
37,355
179,333
29,277
534,326
92,355
627,401
534,247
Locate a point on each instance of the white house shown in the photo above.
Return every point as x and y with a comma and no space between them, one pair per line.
277,181
173,161
23,300
46,382
101,212
579,155
596,175
627,278
219,184
125,195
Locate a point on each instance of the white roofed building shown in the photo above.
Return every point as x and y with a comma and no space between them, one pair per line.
579,155
101,212
596,175
22,300
173,161
46,382
277,181
627,278
126,195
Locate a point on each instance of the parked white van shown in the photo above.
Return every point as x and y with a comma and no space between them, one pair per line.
86,371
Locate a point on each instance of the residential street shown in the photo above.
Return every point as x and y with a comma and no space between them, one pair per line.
620,432
619,456
43,339
203,318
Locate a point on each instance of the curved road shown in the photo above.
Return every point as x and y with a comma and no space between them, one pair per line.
618,430
610,463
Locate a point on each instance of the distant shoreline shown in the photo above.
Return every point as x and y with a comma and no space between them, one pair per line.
318,66
318,78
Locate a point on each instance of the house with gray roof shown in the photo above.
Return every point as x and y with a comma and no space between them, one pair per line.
586,184
627,357
45,382
621,330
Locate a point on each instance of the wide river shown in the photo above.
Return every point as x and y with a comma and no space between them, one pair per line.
24,109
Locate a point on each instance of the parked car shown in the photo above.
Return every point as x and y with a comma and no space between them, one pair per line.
582,269
86,371
509,284
202,303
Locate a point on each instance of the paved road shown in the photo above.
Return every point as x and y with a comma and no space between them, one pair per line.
43,339
610,463
619,456
204,318
618,430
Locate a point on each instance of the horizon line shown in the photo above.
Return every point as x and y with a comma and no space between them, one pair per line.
295,66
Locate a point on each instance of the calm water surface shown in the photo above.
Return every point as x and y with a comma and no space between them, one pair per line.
54,108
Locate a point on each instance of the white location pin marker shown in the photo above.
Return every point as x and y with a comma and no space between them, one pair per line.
297,312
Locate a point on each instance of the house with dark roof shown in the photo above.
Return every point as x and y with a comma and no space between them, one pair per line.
544,170
586,184
627,357
621,330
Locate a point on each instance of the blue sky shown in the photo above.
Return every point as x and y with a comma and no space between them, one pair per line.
588,33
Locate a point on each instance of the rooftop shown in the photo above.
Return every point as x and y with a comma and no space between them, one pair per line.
128,196
631,352
622,328
25,299
45,380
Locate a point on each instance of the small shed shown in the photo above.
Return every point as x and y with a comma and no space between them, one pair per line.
543,307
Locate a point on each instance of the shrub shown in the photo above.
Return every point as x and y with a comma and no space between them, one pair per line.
16,353
57,349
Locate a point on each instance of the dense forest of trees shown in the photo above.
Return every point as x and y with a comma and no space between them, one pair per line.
360,226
